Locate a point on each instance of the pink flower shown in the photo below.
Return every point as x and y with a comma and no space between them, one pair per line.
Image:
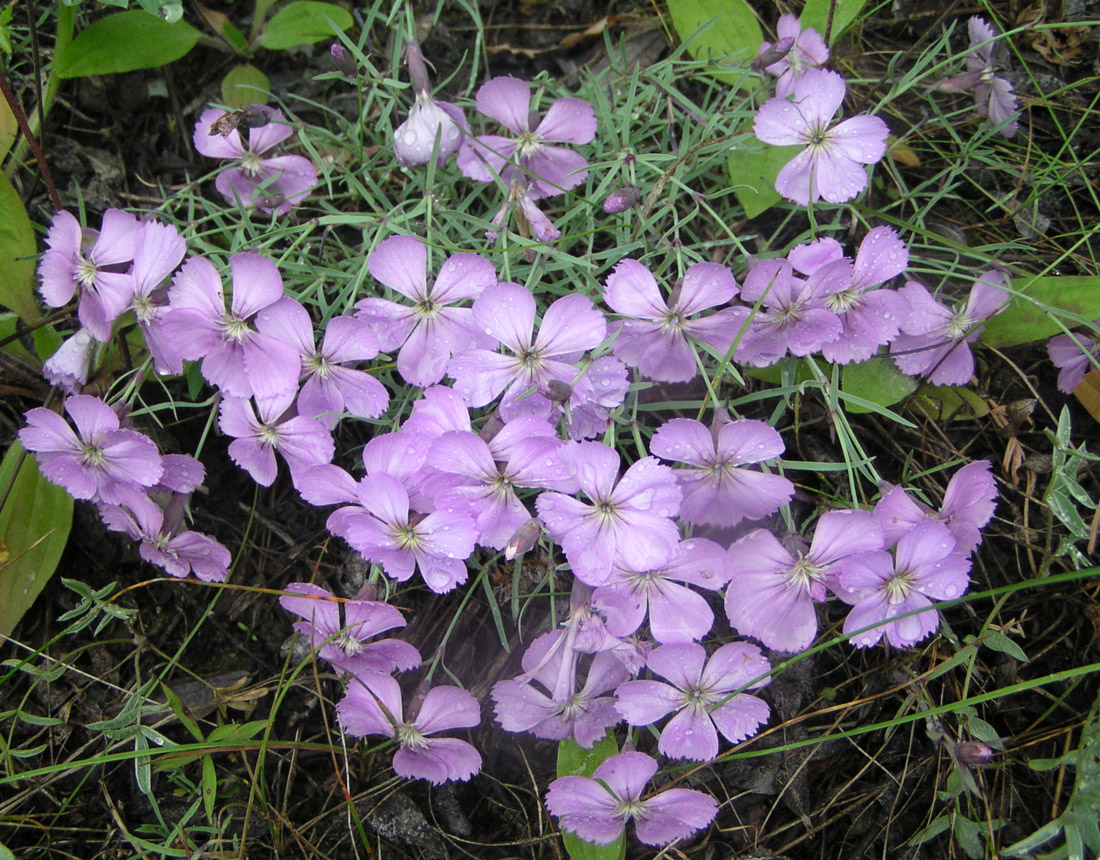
431,330
992,94
552,169
699,692
159,249
344,642
98,459
934,342
94,263
627,521
235,356
597,808
272,183
658,333
831,165
415,138
804,50
1075,355
880,587
372,706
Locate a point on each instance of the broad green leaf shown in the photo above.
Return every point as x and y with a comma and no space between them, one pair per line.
5,852
949,402
575,760
877,380
304,23
126,42
816,14
34,526
733,35
17,248
1029,318
753,172
245,85
8,127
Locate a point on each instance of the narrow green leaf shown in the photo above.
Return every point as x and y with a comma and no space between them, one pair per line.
34,526
304,23
752,173
126,42
930,832
732,37
816,14
209,787
1029,317
245,85
575,760
877,380
236,39
17,249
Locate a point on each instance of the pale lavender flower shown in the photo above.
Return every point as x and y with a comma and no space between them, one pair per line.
968,505
330,389
343,642
69,366
597,808
302,441
992,94
552,169
934,339
657,337
97,459
383,529
235,357
1074,355
869,318
718,490
158,250
439,411
95,263
925,566
795,318
482,477
676,613
772,591
272,183
415,139
530,220
801,51
562,711
506,313
627,521
601,387
372,706
831,165
163,540
431,330
699,693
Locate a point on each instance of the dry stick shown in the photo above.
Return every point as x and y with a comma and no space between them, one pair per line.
24,126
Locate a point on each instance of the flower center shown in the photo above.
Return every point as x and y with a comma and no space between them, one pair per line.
845,300
320,366
347,643
803,574
143,308
407,537
527,144
898,587
959,325
672,321
426,309
250,163
234,328
92,455
269,434
409,736
85,273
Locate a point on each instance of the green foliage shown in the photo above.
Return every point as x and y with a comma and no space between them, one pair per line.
816,14
731,35
753,173
17,250
1039,311
126,42
1064,493
303,23
34,525
876,380
575,760
1079,824
245,85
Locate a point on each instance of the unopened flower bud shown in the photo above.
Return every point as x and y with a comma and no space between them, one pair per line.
772,53
621,200
524,539
254,116
973,752
558,391
415,137
343,61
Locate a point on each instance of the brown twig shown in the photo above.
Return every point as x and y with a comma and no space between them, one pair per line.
24,126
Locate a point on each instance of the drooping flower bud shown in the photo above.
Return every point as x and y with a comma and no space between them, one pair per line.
343,61
621,200
524,539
